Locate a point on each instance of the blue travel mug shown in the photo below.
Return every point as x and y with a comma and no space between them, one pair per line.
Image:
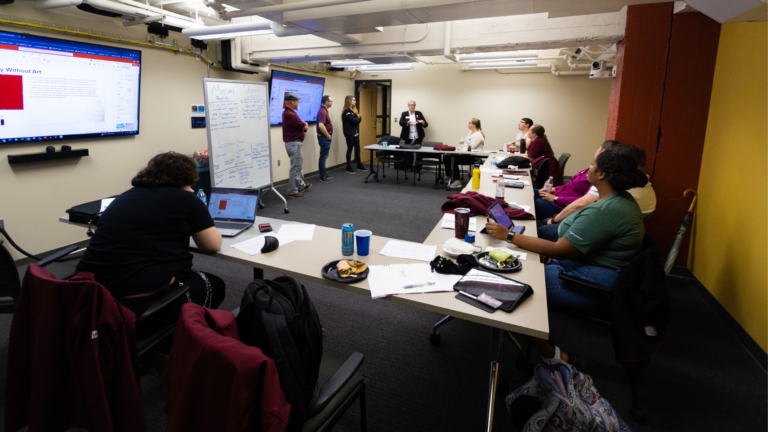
363,238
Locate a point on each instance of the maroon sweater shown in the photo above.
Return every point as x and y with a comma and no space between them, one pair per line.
293,126
72,360
214,382
540,147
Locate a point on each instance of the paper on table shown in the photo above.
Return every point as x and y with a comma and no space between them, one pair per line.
414,251
519,255
389,280
298,231
512,177
449,222
526,182
105,203
253,246
526,208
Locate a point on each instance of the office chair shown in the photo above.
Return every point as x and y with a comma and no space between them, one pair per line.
435,162
393,160
641,352
562,161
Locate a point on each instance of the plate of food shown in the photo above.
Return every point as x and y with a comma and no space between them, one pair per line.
499,260
345,271
455,247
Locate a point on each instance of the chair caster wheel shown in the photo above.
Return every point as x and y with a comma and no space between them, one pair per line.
286,210
261,206
434,338
638,415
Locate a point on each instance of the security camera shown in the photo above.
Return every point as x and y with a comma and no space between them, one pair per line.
600,71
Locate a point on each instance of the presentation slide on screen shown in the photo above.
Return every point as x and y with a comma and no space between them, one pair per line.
53,93
309,89
233,206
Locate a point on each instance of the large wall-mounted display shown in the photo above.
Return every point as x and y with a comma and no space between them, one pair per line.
53,89
308,88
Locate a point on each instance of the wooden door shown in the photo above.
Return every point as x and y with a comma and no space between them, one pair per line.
366,104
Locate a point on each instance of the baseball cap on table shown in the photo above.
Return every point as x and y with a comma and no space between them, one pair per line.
291,96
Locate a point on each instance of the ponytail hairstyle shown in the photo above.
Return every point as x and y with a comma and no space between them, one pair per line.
476,122
347,104
620,169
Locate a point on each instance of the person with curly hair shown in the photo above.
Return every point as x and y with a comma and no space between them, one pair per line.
141,244
594,243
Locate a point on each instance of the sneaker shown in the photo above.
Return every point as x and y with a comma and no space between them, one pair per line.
324,181
351,171
362,168
297,195
329,178
306,187
455,186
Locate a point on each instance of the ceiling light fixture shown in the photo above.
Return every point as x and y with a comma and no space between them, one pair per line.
504,65
385,68
350,63
228,31
499,55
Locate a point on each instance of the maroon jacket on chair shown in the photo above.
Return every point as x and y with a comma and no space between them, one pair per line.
72,360
214,382
554,168
478,205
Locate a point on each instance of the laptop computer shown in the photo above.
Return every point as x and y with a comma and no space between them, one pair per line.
233,210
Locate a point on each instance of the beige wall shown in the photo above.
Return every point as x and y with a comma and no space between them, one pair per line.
573,110
35,195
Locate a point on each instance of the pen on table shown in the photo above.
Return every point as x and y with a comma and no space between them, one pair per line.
418,285
468,294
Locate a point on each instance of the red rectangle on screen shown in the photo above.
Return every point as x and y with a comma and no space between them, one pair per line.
222,205
12,96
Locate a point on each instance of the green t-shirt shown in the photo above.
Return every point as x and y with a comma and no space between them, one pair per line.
609,232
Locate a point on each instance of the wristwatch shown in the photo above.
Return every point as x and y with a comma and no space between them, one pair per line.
510,237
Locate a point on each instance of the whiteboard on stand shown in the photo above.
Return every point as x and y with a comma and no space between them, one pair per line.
237,121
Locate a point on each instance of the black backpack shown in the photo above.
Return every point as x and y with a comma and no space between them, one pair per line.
278,316
390,140
518,161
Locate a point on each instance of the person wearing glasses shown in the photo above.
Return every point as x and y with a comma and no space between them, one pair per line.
413,124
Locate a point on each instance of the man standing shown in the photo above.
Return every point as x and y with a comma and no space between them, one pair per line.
293,136
324,136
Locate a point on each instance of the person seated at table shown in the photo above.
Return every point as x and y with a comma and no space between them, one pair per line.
141,245
548,204
539,145
474,141
645,196
523,126
594,244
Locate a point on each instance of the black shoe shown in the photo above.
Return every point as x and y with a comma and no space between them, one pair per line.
351,171
361,168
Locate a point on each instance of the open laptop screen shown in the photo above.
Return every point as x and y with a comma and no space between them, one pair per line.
233,204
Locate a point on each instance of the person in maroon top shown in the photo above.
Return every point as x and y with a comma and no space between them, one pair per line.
324,135
539,145
293,137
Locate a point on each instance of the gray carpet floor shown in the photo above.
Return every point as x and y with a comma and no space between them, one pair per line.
701,380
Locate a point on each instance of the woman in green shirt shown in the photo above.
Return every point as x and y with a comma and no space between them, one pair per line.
594,243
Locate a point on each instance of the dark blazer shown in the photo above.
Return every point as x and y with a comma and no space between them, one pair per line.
407,128
351,122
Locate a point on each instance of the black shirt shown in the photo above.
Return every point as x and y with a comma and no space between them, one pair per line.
142,240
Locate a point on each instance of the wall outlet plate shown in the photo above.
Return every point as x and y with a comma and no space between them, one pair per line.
278,162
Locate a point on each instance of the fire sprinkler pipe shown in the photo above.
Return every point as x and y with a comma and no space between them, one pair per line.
55,4
447,45
286,7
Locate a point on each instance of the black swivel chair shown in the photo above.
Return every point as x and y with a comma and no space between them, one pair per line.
434,161
562,161
391,159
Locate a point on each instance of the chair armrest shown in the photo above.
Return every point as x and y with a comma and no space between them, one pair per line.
57,256
335,384
584,282
163,301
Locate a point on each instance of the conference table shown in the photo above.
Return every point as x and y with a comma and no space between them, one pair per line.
439,154
304,260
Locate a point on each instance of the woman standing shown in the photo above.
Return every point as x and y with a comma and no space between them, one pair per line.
351,119
474,141
412,123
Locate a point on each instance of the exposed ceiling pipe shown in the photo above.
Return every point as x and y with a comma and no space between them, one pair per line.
156,11
237,59
556,72
447,46
282,30
286,7
129,8
55,4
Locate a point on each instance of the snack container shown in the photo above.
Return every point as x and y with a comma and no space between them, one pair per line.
347,239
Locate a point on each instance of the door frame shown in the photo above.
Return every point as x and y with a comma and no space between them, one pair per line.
386,99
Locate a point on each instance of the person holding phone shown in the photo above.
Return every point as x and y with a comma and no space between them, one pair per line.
594,243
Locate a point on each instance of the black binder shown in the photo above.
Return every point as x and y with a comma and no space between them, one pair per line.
87,213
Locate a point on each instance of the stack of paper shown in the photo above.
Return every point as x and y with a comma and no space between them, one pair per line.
414,251
449,222
393,279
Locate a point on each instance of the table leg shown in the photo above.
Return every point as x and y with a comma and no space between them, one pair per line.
371,170
414,169
453,173
494,377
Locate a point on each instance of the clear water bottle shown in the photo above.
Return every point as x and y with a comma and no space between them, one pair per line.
548,185
203,198
500,187
493,163
461,142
